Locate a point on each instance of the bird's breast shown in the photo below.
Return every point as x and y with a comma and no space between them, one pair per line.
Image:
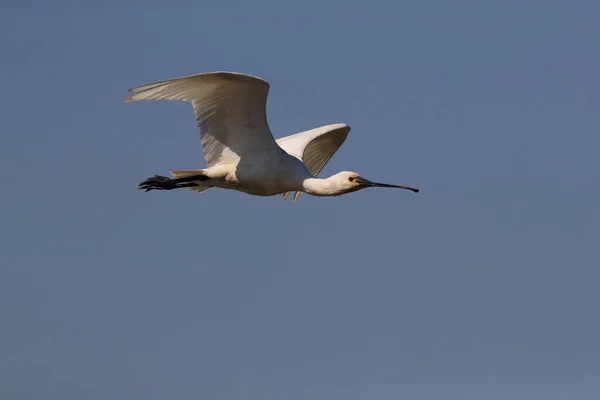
271,177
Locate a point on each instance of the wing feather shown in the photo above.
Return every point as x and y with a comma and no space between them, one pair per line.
230,111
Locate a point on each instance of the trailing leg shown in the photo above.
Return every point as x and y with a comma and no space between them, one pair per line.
158,182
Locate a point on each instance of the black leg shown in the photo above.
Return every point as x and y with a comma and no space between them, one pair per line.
158,182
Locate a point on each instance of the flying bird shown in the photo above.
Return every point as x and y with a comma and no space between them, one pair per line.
240,151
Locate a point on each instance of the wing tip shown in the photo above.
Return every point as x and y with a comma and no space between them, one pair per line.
345,127
210,77
296,196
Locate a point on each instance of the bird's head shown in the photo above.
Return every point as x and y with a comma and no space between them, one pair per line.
348,181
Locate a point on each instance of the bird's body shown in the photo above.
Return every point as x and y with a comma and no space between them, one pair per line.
275,173
239,149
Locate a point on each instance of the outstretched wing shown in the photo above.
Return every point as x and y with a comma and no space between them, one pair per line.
314,147
230,111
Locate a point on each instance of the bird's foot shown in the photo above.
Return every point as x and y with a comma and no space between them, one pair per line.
158,182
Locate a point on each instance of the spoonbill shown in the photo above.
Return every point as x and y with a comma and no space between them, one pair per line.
240,151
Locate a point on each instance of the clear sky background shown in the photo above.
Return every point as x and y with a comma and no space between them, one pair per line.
482,286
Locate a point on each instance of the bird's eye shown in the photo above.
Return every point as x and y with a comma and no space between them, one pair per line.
351,179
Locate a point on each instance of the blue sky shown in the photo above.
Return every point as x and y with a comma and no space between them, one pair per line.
484,285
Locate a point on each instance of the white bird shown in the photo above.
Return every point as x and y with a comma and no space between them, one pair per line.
240,151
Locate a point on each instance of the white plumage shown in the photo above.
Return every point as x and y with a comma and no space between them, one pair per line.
239,149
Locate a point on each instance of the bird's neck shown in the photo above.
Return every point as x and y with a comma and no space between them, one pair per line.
321,187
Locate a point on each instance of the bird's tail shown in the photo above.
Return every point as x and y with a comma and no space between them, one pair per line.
189,172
